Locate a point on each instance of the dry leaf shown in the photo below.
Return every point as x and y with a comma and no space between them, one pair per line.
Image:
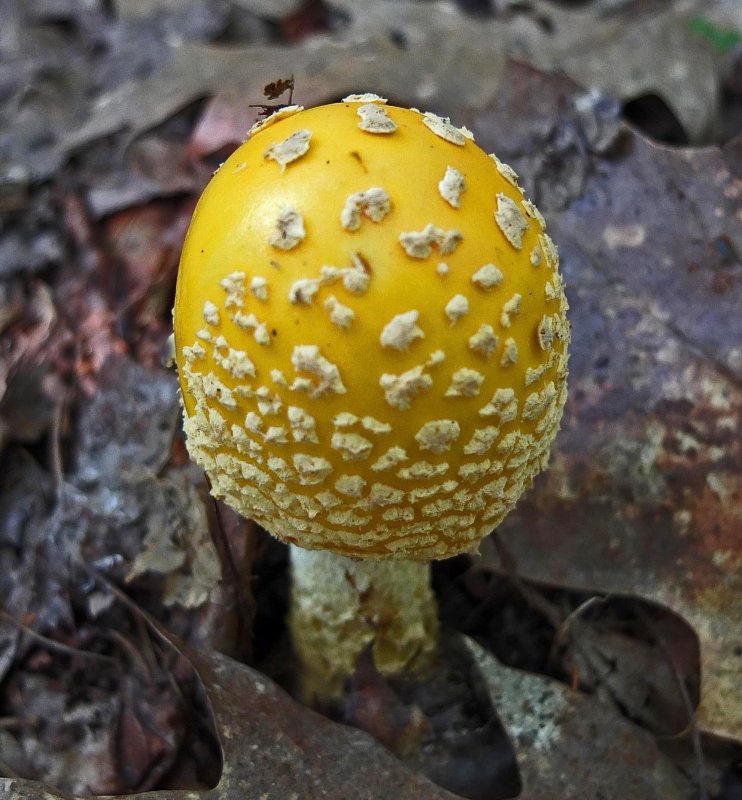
435,56
570,746
643,494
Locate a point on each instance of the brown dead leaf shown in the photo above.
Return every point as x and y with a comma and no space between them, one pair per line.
455,59
274,10
433,55
154,167
127,427
145,241
644,491
373,706
441,723
183,552
636,676
26,409
223,124
569,746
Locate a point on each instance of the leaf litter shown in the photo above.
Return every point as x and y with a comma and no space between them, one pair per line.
642,499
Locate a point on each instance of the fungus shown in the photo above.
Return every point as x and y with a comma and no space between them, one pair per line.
371,405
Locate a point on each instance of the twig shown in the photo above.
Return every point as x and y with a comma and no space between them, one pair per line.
56,444
17,723
50,643
138,660
552,614
563,631
154,625
531,596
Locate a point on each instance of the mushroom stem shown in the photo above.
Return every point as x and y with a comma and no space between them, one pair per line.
339,605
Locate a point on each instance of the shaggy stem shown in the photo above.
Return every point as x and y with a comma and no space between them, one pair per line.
339,605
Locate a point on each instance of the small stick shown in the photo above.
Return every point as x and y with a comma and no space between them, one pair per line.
532,597
50,643
56,444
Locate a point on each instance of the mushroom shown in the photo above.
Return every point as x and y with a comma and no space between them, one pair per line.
371,339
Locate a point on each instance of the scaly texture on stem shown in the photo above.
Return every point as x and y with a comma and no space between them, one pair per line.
339,605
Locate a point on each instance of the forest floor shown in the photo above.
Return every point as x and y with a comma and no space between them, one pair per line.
594,647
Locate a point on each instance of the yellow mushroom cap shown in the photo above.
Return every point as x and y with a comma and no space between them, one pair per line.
370,332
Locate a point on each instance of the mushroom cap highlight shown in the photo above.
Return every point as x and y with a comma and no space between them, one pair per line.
370,332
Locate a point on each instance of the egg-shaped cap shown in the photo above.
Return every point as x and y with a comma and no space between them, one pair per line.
370,332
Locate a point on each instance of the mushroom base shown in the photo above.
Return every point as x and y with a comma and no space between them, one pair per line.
339,605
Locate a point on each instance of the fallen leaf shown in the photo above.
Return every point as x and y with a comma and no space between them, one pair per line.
146,241
153,168
274,10
441,724
180,549
223,125
639,677
454,59
643,493
434,55
570,746
127,425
